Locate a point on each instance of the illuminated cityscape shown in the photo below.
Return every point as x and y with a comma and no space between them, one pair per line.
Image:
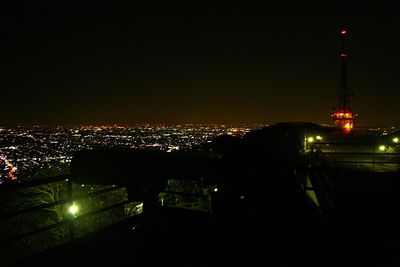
26,152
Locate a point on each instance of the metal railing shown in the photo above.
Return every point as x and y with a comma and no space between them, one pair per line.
69,220
326,161
367,155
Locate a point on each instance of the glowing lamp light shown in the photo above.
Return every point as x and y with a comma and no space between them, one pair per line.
395,140
73,209
318,137
310,139
216,189
382,148
343,32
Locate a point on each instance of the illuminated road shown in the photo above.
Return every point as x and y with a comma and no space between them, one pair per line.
12,169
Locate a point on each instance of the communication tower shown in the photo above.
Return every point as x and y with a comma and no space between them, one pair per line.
342,113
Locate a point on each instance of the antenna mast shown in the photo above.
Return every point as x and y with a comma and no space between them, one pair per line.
342,113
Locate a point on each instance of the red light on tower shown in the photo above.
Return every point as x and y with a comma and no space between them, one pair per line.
343,32
344,120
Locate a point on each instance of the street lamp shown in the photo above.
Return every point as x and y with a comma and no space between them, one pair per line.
73,209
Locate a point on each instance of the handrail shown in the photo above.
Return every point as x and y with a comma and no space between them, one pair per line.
186,194
69,199
33,232
352,143
320,182
360,153
56,203
375,154
16,184
319,158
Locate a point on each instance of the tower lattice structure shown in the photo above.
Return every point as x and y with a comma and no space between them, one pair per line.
342,113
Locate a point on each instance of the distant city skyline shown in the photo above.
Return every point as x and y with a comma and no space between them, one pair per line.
182,63
26,152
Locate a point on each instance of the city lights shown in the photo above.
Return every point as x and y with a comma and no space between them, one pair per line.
31,150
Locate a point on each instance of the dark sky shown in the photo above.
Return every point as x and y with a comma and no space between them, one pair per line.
195,62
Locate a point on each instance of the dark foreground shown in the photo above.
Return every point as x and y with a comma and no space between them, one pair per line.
362,230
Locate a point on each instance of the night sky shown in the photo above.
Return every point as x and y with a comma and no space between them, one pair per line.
195,62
